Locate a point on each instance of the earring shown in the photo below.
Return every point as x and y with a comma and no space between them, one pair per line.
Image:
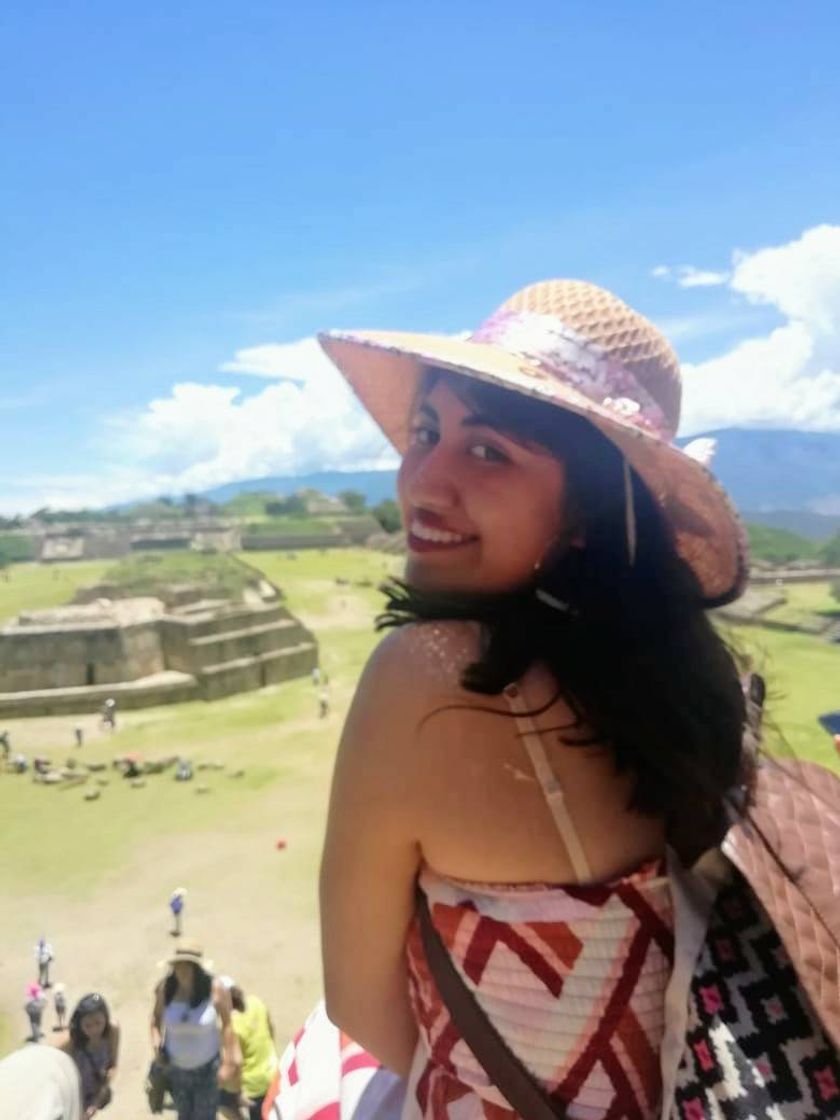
544,596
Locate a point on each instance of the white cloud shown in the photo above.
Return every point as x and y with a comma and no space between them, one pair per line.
292,361
203,435
700,278
789,378
801,279
687,276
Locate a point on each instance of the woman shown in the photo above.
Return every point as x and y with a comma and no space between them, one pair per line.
93,1043
535,778
255,1034
192,1033
34,1008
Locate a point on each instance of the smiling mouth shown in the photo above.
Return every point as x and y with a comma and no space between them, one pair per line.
425,538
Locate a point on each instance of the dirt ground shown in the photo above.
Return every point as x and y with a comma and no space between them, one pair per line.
252,905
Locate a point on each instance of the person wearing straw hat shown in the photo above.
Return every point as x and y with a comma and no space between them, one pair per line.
192,1034
538,893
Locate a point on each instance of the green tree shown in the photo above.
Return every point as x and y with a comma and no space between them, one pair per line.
387,513
294,505
779,546
355,500
830,552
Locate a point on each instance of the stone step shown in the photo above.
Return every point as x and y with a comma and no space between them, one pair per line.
168,687
245,673
206,624
232,646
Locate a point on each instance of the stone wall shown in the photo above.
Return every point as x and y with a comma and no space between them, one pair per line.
34,657
195,653
281,542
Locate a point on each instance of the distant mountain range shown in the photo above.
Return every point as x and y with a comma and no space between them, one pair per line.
787,479
375,485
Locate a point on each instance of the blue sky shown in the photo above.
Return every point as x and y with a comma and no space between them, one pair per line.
193,186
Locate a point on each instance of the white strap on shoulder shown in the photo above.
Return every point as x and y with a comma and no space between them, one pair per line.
552,790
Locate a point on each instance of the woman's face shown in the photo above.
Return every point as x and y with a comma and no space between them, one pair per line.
481,508
93,1025
184,972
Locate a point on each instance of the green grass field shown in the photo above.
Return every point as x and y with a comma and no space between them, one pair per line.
805,599
270,733
35,586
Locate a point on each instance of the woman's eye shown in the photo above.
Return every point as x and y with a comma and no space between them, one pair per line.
488,453
423,435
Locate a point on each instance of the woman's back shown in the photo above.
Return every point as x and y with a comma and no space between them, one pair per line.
480,812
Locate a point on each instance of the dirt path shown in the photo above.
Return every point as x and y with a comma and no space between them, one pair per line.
253,907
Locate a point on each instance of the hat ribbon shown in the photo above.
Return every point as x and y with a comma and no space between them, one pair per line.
546,342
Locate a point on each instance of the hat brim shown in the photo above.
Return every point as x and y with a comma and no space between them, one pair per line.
384,369
204,964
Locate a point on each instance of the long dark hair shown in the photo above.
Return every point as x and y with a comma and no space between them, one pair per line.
202,986
87,1005
626,637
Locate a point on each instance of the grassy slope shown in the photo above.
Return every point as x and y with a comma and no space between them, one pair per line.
803,678
271,733
57,846
805,599
34,586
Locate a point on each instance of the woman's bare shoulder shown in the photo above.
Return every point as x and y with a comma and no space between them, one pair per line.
428,656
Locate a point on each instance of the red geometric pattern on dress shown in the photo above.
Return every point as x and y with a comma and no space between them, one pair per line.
358,1061
330,1111
645,1058
599,1044
489,933
625,1105
649,919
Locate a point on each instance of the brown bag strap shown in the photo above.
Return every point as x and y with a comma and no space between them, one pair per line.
505,1070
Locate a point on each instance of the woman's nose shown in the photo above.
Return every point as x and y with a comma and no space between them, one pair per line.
431,481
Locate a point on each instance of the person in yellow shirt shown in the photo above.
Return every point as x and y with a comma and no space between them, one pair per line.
254,1030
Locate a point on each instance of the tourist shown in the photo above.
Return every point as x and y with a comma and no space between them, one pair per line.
60,1006
184,770
255,1033
39,1083
79,735
323,704
176,905
93,1044
43,959
316,675
192,1034
535,777
109,714
34,1008
6,745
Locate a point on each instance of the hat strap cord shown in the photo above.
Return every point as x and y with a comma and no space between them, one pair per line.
629,512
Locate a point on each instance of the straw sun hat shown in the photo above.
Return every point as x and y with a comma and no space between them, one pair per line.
578,347
190,952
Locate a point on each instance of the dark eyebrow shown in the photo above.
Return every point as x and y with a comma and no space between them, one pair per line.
426,410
